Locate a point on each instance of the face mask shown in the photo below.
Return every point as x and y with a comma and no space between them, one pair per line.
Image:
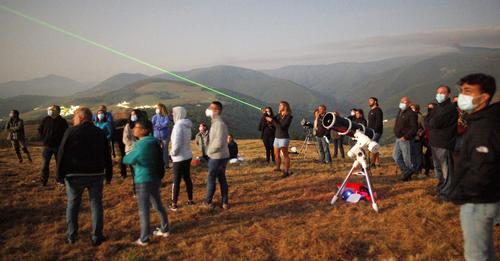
465,103
100,116
157,111
50,112
402,106
11,115
209,113
440,97
133,118
268,113
353,113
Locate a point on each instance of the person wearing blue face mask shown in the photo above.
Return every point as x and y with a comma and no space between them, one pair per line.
129,139
405,130
476,183
442,125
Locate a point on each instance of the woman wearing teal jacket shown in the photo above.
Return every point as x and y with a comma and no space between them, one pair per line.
146,159
103,124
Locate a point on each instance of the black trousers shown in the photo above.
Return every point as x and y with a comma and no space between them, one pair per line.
268,144
182,170
47,155
338,144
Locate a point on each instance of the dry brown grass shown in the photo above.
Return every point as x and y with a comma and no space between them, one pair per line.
270,218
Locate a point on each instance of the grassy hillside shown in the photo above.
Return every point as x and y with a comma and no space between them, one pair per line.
260,86
270,218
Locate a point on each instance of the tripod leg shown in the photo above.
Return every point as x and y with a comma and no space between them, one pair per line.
334,199
368,182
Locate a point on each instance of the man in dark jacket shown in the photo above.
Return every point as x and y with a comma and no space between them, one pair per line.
442,125
51,131
322,137
84,159
476,182
405,130
375,122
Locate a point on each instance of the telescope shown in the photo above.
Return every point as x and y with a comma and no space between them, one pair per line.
363,137
344,126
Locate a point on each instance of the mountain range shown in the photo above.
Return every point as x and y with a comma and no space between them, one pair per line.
340,86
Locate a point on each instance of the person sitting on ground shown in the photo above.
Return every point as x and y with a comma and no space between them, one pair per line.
147,160
51,131
83,162
181,155
202,138
15,128
233,150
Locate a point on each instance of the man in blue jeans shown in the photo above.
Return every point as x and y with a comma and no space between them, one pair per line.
476,181
405,130
322,137
84,161
218,152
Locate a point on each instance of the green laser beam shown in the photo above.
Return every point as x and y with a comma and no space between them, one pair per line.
119,53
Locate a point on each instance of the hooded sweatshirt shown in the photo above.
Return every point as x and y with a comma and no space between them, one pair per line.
181,136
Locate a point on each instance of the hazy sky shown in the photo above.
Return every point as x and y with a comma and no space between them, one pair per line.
181,35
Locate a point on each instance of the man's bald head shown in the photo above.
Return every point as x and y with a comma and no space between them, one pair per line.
405,100
82,115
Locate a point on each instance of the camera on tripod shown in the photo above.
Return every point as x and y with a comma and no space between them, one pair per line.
306,124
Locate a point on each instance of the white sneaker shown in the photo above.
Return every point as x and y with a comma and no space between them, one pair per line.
158,233
138,242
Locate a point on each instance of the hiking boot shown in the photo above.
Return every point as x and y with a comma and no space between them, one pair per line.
277,170
225,206
190,202
285,174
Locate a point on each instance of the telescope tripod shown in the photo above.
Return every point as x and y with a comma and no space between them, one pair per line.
361,162
309,138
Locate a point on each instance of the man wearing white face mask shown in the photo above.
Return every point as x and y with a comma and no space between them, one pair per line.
442,125
218,152
51,131
405,129
476,184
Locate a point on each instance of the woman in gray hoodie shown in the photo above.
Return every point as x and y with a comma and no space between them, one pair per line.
181,154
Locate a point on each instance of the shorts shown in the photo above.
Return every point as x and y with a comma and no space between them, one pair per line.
376,137
281,143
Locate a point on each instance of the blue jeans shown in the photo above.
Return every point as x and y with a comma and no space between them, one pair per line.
164,144
477,222
324,150
443,167
402,157
217,170
74,190
149,194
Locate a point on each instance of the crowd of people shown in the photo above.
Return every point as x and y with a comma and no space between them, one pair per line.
461,138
